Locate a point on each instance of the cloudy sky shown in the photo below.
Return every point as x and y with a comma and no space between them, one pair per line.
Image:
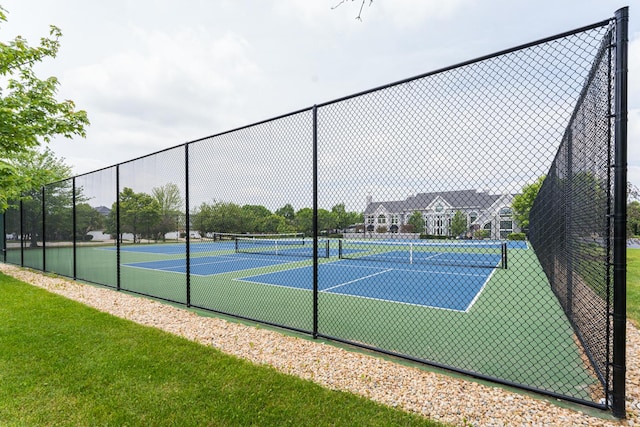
155,74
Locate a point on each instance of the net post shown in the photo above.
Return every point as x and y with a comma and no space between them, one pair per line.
411,253
620,215
504,256
340,249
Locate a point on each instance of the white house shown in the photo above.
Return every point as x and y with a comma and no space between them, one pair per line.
491,212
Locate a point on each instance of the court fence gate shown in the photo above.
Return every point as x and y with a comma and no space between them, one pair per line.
434,176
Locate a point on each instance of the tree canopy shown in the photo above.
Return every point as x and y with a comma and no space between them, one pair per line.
30,114
458,223
523,202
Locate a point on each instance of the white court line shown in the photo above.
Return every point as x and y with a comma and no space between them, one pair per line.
447,273
358,279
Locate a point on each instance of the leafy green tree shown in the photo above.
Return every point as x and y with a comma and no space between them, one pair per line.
202,218
171,211
633,218
254,218
35,170
326,220
287,212
458,223
29,112
304,221
87,219
277,224
340,216
59,210
417,222
522,203
222,217
139,214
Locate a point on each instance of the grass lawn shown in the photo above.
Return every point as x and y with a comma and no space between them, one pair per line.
633,286
63,363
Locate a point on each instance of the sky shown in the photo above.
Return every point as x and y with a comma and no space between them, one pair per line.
156,74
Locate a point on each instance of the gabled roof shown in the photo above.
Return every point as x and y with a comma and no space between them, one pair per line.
469,199
103,210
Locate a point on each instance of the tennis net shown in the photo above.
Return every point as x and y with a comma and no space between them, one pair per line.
468,254
287,247
234,236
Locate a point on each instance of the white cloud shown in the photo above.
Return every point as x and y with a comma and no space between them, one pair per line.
413,13
184,69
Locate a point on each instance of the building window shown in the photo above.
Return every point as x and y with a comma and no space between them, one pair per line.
382,219
506,228
473,216
369,219
505,211
394,219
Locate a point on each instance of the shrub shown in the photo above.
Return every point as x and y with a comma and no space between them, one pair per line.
516,236
482,234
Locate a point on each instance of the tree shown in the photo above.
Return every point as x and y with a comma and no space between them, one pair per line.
29,112
171,211
304,221
417,222
342,219
523,202
458,224
254,218
221,217
359,17
35,169
139,214
287,212
633,218
87,219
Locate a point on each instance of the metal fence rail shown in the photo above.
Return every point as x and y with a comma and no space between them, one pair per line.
405,197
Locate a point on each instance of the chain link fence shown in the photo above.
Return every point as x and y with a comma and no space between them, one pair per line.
396,219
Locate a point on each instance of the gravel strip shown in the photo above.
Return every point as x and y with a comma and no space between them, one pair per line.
434,395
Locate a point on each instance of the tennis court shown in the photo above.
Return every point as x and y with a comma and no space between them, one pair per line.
385,271
438,287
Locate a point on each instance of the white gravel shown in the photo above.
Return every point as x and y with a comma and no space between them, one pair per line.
434,395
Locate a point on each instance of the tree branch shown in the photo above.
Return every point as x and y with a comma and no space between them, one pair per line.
359,17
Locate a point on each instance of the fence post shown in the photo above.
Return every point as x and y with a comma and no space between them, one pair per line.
44,230
21,234
4,236
187,227
118,227
620,215
315,221
74,221
568,224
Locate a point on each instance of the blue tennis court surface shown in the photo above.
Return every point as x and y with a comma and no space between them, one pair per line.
421,280
207,266
451,288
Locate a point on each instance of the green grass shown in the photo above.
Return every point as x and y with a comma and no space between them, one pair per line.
62,363
633,286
